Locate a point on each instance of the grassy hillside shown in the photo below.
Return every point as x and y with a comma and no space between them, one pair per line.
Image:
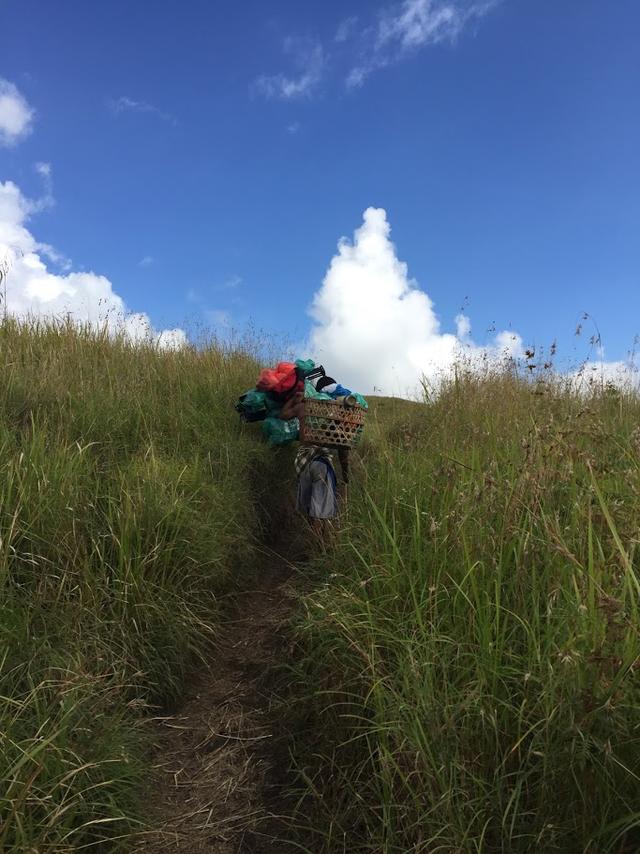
130,500
467,671
467,651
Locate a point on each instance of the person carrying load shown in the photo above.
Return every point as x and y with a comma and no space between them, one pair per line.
317,493
298,401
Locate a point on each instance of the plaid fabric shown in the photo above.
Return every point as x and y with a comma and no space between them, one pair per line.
308,453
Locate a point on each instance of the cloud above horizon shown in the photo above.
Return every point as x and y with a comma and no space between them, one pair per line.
363,46
407,27
376,330
309,61
16,116
32,291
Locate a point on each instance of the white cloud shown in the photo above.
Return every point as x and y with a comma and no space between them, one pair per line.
357,76
293,128
463,326
46,200
419,22
16,116
599,374
124,104
390,35
376,329
310,64
409,26
346,28
147,261
170,339
31,290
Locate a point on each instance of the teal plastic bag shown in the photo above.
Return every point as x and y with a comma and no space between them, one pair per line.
253,401
363,403
279,432
309,391
305,365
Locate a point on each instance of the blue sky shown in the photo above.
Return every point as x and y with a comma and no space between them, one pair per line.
231,144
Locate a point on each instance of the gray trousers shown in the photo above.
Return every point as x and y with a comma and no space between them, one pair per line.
317,490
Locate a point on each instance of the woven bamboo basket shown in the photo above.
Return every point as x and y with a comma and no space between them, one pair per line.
331,423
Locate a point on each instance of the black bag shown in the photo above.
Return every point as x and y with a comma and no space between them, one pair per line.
249,413
313,374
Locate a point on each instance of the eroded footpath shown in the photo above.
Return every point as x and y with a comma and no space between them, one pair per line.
221,760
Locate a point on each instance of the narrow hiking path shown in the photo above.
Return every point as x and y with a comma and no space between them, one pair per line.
221,759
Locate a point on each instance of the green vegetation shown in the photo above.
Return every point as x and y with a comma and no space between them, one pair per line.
467,677
129,502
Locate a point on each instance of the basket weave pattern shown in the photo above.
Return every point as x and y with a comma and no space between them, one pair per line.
326,422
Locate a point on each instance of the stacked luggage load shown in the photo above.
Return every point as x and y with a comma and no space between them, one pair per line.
333,415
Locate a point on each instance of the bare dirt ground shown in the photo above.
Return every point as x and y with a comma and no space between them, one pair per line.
221,759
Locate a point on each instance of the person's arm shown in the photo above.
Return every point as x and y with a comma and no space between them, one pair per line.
293,408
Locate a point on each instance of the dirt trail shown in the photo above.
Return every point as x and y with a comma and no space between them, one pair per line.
221,758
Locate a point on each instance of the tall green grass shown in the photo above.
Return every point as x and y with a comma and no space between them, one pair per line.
130,501
468,674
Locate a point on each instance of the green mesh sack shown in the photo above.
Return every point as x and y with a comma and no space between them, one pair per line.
279,432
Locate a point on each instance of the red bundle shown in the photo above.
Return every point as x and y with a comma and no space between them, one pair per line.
278,380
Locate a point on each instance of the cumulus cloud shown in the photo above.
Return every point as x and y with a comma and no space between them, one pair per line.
309,63
463,326
595,375
376,330
409,26
32,290
16,116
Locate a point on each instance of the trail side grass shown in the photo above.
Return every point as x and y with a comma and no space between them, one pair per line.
467,676
130,502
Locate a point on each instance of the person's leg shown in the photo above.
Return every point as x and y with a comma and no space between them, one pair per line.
323,503
344,457
318,526
303,501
